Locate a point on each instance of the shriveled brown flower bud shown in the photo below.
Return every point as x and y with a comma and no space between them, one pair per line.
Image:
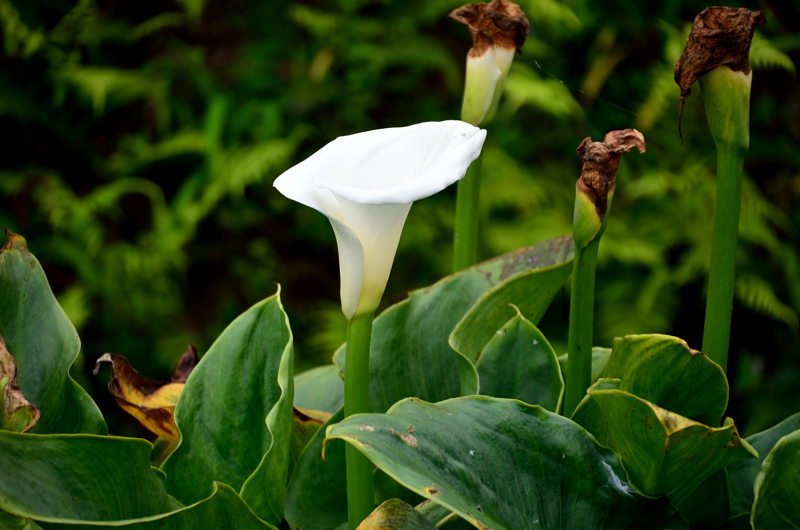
500,24
720,36
601,161
498,30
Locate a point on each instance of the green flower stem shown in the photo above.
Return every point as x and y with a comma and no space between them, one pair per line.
581,321
465,243
726,96
360,494
719,306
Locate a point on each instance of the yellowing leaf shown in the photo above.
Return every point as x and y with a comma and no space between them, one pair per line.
16,413
150,402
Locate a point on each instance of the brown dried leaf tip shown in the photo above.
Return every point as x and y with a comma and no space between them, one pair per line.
16,413
720,36
186,364
500,24
150,402
601,160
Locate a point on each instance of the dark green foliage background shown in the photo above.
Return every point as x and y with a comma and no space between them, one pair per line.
140,141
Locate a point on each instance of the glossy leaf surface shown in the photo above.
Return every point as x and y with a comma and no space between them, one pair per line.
663,453
321,388
235,414
665,371
410,354
86,481
519,363
44,344
531,291
316,498
502,464
742,475
777,489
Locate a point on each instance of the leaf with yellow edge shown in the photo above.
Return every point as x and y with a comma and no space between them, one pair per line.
150,402
16,413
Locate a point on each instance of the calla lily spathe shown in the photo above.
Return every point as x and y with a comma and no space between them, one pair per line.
365,184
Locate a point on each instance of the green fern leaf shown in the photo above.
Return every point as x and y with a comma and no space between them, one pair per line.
756,294
763,54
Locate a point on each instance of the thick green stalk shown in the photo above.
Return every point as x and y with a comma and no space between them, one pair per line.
726,96
719,305
581,322
360,493
465,242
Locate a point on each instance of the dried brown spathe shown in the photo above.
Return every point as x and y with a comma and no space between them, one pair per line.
601,161
499,24
720,36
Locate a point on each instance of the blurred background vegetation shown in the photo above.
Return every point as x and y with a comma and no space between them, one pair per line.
141,139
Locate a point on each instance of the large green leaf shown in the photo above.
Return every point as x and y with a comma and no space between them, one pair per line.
665,371
320,388
316,498
519,363
88,481
777,489
742,475
503,464
235,414
395,514
410,354
44,344
664,453
531,291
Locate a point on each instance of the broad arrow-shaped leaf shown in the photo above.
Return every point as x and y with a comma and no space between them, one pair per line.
664,453
235,414
87,481
742,475
519,363
410,354
316,498
321,388
503,464
44,344
777,504
665,371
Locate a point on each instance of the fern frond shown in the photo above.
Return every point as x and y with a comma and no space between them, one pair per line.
104,86
757,294
525,87
157,23
18,40
551,14
763,54
135,153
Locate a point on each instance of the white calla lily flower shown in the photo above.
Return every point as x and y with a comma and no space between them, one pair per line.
365,184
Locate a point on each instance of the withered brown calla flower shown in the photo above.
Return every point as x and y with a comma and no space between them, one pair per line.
601,161
720,36
500,24
498,31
